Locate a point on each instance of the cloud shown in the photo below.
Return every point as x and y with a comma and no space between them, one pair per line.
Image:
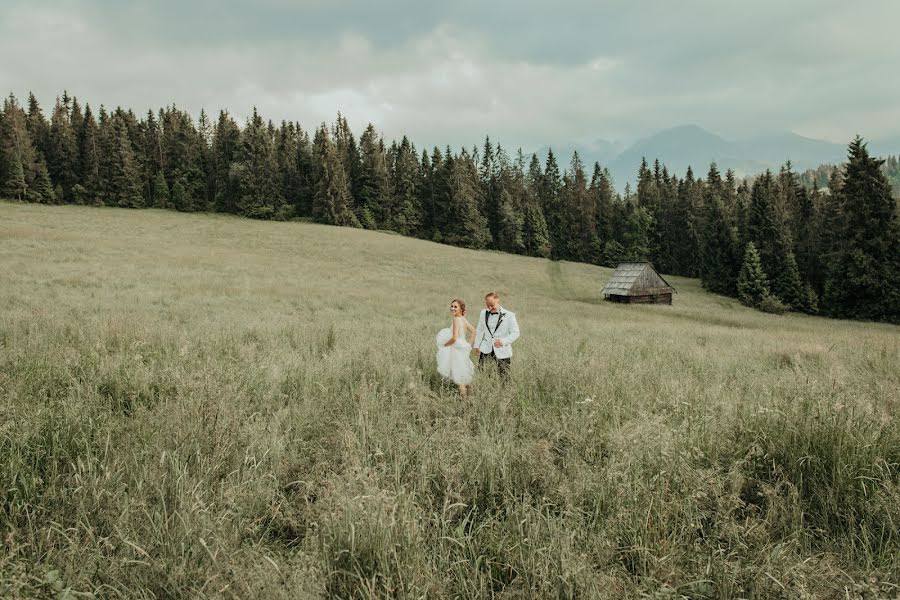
453,72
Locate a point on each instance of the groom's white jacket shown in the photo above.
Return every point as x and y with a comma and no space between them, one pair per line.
507,332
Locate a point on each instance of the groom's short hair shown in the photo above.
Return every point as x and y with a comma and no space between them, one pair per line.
492,295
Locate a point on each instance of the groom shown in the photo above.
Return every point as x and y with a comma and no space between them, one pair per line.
497,330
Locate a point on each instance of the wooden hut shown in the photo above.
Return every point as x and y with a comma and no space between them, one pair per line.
637,282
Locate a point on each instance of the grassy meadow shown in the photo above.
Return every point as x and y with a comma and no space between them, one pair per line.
199,406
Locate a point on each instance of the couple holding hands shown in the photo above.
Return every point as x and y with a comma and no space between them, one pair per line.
491,341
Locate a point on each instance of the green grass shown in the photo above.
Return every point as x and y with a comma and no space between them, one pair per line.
197,406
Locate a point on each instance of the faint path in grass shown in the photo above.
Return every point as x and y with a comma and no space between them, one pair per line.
559,285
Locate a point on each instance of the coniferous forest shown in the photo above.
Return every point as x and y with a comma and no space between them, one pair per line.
772,240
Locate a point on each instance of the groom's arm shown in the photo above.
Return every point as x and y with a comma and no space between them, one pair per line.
479,331
513,334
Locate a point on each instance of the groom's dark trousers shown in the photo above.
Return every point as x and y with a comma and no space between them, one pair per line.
502,363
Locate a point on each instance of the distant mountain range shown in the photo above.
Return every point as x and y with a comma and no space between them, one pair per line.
691,145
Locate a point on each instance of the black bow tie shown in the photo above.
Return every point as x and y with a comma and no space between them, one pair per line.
493,313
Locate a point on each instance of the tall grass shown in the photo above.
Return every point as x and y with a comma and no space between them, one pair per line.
203,407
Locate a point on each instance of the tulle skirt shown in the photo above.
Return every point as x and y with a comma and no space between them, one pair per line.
453,362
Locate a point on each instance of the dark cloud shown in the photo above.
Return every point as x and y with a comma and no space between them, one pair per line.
451,72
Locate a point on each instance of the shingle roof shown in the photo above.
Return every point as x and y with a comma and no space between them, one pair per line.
634,279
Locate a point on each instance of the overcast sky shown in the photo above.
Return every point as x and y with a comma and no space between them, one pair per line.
449,72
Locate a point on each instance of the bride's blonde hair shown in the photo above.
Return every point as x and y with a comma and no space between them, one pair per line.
462,305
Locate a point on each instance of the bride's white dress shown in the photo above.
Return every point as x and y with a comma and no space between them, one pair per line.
453,362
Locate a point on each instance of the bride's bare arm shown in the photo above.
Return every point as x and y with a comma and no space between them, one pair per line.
472,329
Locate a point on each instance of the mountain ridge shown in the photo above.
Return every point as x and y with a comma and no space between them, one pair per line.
692,145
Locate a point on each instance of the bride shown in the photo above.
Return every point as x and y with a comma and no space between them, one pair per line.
453,360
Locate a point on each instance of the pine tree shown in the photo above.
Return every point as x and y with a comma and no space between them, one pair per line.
466,225
180,198
87,191
636,237
863,279
577,214
258,188
535,236
375,196
62,160
37,127
14,186
550,203
19,150
161,192
648,198
405,214
442,169
120,183
511,223
43,190
203,141
150,157
426,195
287,158
603,199
332,203
489,197
226,147
790,289
720,259
752,285
770,236
184,151
687,248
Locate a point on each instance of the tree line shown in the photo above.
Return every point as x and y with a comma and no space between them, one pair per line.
771,241
822,174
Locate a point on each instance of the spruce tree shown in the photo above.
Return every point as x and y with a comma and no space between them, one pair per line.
150,157
161,192
535,236
577,214
37,127
636,237
550,204
62,160
88,160
375,197
226,147
510,223
259,190
466,226
14,185
19,149
120,183
180,198
790,289
603,200
488,173
287,158
720,259
767,230
508,187
43,190
426,195
752,285
184,151
333,203
442,170
863,280
648,198
405,214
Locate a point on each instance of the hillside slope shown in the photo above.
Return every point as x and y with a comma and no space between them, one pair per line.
206,406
